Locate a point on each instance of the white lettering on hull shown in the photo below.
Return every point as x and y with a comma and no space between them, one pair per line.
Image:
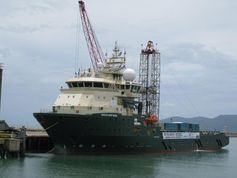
181,135
109,115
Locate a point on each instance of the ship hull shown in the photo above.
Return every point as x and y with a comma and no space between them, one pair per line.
114,133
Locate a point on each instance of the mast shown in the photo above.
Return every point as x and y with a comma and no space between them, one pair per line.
96,54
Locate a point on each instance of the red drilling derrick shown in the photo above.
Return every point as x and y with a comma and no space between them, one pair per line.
96,54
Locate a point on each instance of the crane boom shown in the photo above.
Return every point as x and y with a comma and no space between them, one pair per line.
94,48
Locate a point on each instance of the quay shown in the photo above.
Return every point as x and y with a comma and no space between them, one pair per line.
14,143
11,141
38,141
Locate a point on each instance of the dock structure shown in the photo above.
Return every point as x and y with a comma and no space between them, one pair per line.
11,141
9,146
38,141
14,143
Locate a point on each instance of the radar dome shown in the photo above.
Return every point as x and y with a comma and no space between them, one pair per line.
129,75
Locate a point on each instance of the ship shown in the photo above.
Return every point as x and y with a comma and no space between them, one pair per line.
105,110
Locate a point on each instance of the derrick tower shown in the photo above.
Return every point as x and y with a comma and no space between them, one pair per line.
149,78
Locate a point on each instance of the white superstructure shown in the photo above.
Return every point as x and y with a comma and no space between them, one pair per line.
110,89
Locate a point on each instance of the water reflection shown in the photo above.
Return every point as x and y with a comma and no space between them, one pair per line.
151,165
105,166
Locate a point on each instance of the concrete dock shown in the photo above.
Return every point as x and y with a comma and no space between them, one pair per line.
11,141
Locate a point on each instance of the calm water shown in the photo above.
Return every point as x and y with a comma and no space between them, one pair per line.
182,165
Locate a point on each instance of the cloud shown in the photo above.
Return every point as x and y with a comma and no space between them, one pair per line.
18,28
4,52
33,16
194,77
197,41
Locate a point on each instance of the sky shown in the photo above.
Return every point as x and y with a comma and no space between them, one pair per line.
40,40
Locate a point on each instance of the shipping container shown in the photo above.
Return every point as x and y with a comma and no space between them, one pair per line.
171,126
181,127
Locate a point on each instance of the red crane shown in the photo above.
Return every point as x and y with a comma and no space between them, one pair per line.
96,54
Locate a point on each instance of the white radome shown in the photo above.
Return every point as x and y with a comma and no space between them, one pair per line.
129,74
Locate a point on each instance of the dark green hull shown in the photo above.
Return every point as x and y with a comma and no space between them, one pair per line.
74,133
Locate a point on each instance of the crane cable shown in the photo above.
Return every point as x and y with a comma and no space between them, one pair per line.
77,36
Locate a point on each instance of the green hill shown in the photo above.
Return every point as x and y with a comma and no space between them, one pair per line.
220,123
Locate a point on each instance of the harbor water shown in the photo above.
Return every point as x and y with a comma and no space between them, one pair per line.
216,164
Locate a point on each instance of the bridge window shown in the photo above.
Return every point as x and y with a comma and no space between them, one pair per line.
80,84
138,88
74,84
133,88
69,84
106,85
127,87
88,84
118,86
98,85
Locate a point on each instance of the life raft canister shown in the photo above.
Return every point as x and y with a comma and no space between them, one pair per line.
151,119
